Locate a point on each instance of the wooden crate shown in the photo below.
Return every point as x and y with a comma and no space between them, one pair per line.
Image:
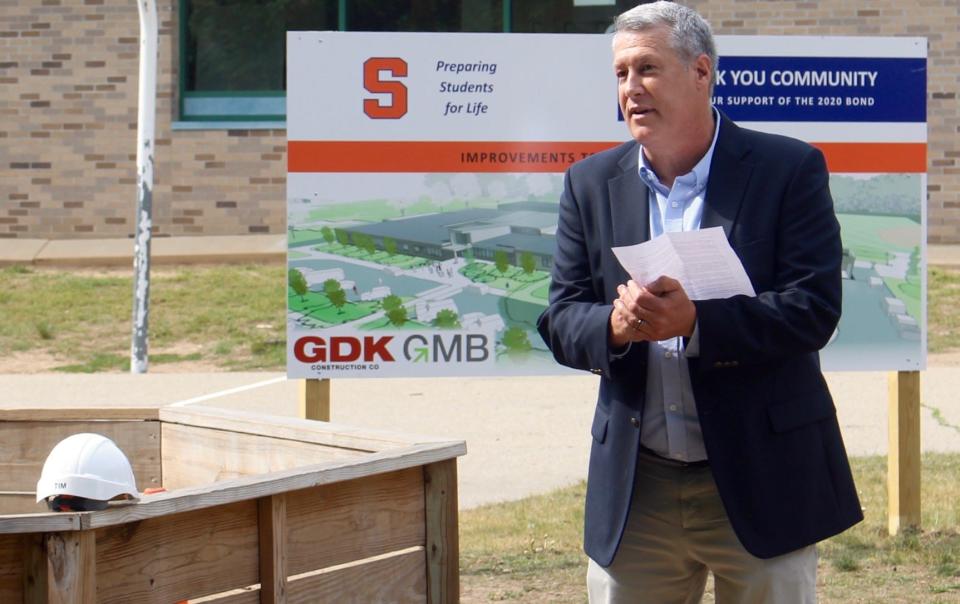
257,509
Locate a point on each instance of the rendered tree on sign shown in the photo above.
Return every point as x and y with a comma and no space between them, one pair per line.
516,341
298,283
390,245
328,235
330,286
397,316
446,319
343,237
501,260
368,244
391,302
528,263
335,293
338,299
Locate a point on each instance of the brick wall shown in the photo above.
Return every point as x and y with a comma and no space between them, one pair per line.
68,95
68,72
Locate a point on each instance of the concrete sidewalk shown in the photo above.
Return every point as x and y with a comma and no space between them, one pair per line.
222,249
163,250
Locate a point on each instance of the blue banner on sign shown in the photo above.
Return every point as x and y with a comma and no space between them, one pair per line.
822,89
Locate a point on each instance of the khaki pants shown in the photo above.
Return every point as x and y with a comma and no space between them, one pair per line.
676,532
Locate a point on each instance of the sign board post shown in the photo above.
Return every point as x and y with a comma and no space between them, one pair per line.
315,399
903,455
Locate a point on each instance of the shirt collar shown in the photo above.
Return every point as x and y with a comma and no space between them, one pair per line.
700,172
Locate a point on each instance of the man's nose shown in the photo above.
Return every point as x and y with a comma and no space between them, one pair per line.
633,84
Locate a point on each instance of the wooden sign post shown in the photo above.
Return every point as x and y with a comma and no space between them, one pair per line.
903,455
315,399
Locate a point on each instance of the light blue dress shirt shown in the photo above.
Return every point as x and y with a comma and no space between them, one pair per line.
671,427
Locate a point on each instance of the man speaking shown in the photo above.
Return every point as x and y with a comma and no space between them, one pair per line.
715,440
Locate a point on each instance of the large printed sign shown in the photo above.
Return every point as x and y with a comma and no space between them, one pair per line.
424,172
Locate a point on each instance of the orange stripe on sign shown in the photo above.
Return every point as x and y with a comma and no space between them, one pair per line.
433,156
875,157
465,156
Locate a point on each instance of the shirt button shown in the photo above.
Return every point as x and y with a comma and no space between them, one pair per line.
673,407
635,422
675,205
668,354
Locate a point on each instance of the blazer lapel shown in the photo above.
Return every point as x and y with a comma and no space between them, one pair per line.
629,205
729,176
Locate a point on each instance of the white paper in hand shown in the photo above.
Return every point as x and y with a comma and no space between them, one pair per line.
702,261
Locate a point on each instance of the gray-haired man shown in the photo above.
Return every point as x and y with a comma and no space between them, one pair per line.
716,445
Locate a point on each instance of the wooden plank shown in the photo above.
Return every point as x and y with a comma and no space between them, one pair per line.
903,454
48,522
24,447
254,487
34,413
331,434
195,456
397,577
349,521
11,568
71,568
20,502
35,583
314,399
273,549
442,538
176,557
249,595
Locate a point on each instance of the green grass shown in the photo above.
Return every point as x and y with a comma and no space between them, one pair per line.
943,300
83,318
530,550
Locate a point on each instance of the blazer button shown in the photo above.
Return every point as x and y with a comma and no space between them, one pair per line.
635,422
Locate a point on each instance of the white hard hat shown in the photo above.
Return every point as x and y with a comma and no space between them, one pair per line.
89,466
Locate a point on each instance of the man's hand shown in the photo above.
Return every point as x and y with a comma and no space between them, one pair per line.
659,311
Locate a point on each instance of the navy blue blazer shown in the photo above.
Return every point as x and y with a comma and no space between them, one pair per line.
768,420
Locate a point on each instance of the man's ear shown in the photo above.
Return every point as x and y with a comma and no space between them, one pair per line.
704,68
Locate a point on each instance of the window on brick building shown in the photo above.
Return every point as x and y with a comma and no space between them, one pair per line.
569,17
232,55
232,52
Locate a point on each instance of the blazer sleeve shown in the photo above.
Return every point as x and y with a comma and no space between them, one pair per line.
575,326
798,308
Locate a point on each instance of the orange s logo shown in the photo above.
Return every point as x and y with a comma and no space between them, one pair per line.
397,91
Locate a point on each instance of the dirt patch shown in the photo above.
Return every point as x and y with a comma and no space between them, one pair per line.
568,586
543,589
31,361
41,361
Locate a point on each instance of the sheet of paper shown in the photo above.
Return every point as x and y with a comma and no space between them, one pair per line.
702,261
